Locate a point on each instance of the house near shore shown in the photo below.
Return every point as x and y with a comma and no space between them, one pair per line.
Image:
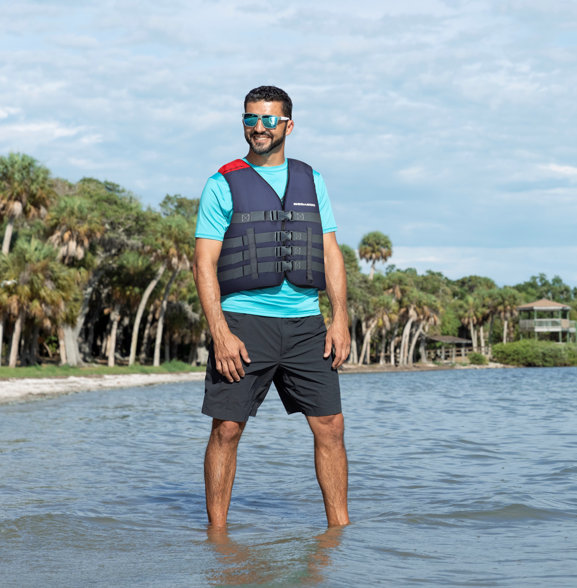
546,316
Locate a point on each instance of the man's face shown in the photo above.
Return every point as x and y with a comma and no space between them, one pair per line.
261,140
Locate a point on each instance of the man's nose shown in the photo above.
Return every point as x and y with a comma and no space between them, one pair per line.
259,127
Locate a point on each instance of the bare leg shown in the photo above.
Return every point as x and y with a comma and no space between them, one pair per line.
331,465
220,468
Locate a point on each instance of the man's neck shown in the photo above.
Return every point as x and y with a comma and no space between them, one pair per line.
271,159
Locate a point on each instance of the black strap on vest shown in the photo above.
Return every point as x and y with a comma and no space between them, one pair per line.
269,237
275,215
268,267
268,252
252,253
309,255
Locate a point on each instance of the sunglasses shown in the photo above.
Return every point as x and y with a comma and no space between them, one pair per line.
269,121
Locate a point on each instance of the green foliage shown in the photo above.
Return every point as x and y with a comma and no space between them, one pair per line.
477,359
180,205
450,322
538,287
531,353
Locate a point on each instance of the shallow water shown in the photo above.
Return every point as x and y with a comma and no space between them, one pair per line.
459,478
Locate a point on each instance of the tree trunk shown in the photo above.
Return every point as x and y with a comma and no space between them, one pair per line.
146,338
34,344
482,337
414,343
366,350
16,340
61,346
8,236
505,330
405,342
393,343
2,323
491,330
423,349
372,269
353,355
88,346
140,312
114,317
72,334
192,354
166,347
472,331
383,344
161,318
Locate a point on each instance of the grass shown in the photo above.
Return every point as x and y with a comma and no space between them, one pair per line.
56,371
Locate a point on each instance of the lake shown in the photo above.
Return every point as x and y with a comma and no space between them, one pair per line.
457,478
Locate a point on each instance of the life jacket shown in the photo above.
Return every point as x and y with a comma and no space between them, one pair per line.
269,240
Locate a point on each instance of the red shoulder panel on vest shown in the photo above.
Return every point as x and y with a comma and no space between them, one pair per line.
233,166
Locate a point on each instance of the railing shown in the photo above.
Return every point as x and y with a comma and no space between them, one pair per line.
453,353
544,324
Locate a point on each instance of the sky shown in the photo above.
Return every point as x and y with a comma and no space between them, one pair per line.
448,125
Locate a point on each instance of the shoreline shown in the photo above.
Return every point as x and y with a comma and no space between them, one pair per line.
18,390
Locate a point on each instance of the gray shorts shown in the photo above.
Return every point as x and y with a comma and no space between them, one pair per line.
286,351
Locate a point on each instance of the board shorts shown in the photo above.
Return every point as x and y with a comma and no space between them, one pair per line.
285,351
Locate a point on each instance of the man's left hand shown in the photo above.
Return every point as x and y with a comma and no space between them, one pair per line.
338,337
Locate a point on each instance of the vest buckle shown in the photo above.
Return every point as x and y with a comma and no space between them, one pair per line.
282,250
281,215
284,266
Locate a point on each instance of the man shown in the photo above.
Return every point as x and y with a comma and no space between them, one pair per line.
265,246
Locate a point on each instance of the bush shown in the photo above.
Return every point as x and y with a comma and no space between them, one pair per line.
531,353
477,359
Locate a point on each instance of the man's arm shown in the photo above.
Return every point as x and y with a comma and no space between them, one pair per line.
228,348
338,334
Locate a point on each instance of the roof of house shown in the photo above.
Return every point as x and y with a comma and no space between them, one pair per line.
544,304
447,339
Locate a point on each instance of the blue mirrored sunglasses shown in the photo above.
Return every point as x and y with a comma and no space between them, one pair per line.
269,121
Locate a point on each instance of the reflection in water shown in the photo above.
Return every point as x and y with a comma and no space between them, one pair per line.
241,564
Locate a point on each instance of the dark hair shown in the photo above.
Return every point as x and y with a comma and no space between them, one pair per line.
271,94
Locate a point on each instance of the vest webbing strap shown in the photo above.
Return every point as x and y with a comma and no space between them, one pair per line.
252,252
309,255
275,215
268,267
268,237
269,252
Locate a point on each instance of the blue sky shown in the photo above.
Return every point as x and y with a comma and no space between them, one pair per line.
448,125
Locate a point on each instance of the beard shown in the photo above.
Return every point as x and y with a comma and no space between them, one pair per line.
262,149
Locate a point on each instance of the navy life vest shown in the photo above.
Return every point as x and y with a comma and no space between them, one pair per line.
267,239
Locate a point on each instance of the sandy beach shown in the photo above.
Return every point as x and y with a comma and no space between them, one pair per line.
25,389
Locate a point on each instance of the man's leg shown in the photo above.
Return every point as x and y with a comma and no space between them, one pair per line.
331,465
220,468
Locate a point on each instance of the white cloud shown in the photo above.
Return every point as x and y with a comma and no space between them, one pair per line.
564,170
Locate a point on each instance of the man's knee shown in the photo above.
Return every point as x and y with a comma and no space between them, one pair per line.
226,432
330,429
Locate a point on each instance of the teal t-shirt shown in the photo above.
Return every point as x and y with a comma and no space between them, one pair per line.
214,218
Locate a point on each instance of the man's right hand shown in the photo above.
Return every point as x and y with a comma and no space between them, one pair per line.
228,350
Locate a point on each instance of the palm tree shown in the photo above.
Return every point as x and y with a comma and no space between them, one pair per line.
40,288
73,224
506,308
178,243
25,190
469,314
427,315
375,246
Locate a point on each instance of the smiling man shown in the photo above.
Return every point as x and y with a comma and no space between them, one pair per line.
265,246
